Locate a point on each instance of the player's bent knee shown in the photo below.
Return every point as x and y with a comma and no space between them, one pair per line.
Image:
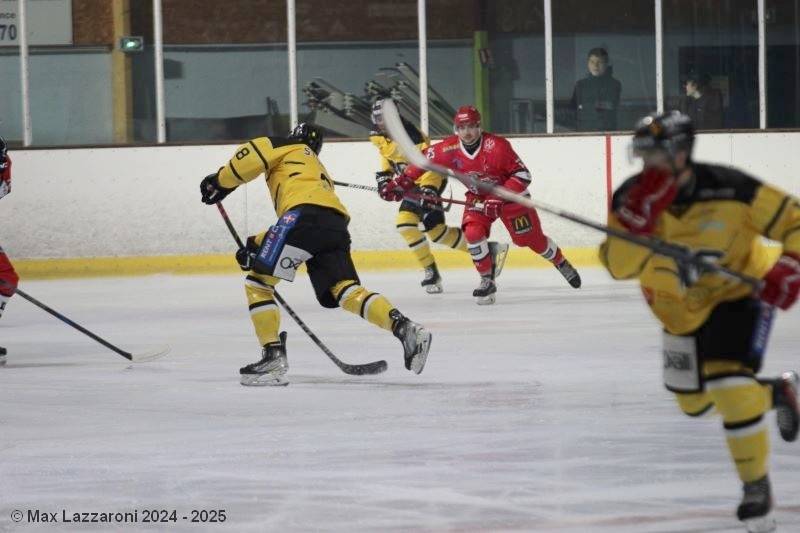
694,404
474,232
432,220
738,398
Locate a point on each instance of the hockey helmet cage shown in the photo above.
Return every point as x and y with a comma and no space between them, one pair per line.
466,114
309,135
671,131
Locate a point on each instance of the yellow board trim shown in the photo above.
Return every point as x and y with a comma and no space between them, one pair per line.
32,269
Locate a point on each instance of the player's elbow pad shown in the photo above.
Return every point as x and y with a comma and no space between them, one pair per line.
516,184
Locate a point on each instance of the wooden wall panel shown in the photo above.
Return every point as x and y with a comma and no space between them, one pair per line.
92,22
264,21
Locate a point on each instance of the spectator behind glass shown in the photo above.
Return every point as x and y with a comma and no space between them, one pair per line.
595,98
702,102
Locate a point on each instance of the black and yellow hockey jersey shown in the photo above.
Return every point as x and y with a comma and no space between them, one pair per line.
721,212
293,172
392,157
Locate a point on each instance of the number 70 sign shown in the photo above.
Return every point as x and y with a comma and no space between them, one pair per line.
48,22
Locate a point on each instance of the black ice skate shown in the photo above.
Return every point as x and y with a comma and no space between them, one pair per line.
433,281
498,251
2,356
484,294
569,273
755,509
784,399
271,369
415,338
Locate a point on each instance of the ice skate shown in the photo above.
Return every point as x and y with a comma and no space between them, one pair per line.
433,281
484,294
271,369
498,251
2,356
416,341
784,399
569,273
755,509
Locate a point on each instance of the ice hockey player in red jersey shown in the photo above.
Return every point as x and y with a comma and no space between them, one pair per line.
492,159
7,272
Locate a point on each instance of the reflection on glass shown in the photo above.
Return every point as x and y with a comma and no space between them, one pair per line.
783,63
224,75
603,64
517,67
11,128
711,62
350,54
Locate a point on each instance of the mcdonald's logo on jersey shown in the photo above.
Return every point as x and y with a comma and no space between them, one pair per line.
522,224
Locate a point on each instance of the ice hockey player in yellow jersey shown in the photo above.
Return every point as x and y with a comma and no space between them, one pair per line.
414,211
311,229
715,327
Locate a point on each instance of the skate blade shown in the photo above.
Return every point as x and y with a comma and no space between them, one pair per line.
762,524
433,289
501,252
485,300
424,339
152,355
263,380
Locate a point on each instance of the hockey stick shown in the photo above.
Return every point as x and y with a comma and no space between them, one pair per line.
376,367
411,195
677,252
136,358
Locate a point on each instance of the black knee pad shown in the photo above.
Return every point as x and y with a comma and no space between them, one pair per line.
432,218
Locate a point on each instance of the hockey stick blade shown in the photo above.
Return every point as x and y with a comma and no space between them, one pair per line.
394,126
150,355
367,369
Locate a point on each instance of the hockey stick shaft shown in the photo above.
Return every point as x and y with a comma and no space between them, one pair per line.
679,253
412,195
375,367
68,321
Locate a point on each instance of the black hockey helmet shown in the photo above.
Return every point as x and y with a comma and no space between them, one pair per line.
309,135
671,131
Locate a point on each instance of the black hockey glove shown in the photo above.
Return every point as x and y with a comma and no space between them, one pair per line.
382,178
246,257
430,198
211,191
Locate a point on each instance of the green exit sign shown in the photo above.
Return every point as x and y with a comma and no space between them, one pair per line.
131,44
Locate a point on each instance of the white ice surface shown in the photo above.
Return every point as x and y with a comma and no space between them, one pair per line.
544,412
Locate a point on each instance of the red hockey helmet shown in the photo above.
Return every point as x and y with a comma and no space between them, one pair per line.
466,114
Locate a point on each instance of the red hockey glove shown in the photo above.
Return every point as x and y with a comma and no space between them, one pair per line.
492,207
5,175
782,282
651,194
395,189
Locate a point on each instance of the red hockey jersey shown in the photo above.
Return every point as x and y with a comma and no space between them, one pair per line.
494,161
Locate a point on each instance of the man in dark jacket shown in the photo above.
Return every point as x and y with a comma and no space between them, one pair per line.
702,102
596,97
